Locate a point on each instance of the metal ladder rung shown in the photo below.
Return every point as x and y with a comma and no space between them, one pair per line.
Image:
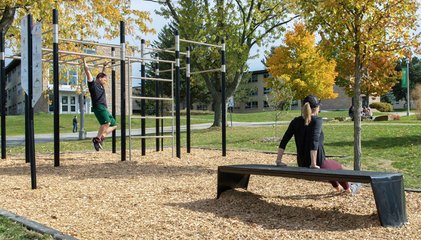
151,98
149,117
166,136
153,79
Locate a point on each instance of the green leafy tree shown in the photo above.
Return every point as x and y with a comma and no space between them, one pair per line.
360,30
243,24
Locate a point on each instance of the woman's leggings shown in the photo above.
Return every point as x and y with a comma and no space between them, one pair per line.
333,165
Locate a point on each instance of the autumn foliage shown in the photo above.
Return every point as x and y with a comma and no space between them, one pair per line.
301,66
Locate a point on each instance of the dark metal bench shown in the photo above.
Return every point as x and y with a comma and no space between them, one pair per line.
387,188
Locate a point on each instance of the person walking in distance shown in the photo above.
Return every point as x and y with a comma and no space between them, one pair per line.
74,124
99,105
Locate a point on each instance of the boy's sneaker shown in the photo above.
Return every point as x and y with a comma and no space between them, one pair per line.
97,143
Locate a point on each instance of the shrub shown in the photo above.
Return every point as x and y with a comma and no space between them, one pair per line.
382,106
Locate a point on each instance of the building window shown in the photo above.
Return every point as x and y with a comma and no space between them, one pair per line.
267,90
251,105
266,75
72,104
254,93
64,104
72,77
253,78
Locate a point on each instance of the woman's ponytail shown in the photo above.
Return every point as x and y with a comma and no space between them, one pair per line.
306,113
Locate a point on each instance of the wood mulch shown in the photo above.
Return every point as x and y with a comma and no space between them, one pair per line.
94,195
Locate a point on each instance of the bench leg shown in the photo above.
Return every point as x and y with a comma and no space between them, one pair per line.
390,201
227,181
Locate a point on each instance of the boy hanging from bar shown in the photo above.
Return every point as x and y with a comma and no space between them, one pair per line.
99,105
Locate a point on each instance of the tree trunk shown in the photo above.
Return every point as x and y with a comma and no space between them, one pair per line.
8,15
357,110
216,102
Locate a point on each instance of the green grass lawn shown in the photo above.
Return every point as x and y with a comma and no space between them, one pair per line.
385,147
11,230
44,122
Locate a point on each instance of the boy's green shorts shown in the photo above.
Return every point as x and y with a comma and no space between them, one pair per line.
103,116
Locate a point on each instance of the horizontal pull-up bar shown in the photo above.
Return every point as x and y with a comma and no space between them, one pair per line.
82,54
206,71
152,98
170,70
90,43
149,117
200,43
138,59
153,79
154,50
167,136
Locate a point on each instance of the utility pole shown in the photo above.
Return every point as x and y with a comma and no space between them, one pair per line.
407,88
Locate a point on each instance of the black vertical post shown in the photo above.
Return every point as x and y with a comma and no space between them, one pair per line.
161,108
27,130
113,87
27,147
157,103
56,103
3,95
31,109
123,89
223,105
142,101
177,94
188,99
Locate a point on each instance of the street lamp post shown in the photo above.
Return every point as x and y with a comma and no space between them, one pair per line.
407,88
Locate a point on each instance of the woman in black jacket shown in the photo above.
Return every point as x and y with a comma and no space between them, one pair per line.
309,139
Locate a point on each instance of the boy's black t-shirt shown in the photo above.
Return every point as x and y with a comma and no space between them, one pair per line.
307,138
97,92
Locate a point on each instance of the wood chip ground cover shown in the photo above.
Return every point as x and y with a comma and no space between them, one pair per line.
96,196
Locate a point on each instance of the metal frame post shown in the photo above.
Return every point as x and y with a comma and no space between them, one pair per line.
3,95
113,98
142,101
157,104
123,89
56,102
223,105
162,105
188,98
177,94
30,107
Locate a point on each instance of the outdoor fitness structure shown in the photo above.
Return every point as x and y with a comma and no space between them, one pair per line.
124,61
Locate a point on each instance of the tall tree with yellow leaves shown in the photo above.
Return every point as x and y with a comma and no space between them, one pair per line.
79,20
301,66
360,29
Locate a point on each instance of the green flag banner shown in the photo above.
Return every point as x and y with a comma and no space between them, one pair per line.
404,77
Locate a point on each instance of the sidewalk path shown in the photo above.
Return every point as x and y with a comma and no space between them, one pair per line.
42,138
